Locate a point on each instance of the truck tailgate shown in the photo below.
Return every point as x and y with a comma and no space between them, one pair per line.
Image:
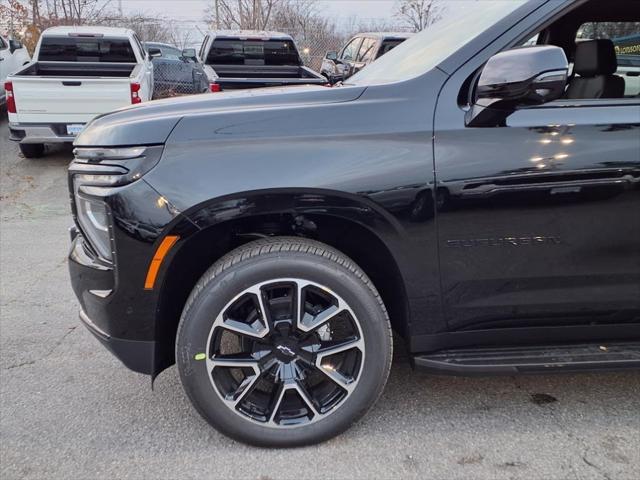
68,99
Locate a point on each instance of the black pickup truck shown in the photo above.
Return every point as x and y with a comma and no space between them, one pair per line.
253,59
464,192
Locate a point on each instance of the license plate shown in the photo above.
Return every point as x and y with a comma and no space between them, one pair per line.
74,129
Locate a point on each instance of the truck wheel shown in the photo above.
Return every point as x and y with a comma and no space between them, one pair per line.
32,150
283,342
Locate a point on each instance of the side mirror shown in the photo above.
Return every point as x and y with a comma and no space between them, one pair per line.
189,53
333,56
14,45
518,77
154,52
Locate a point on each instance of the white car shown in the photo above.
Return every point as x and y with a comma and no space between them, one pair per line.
77,74
13,55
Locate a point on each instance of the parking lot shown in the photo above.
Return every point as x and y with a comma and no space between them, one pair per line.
70,410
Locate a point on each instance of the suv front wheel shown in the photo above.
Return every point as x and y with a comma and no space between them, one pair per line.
284,342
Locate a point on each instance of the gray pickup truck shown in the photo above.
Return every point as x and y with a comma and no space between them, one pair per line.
253,59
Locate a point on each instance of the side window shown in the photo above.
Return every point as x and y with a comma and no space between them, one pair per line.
626,40
367,50
351,50
2,44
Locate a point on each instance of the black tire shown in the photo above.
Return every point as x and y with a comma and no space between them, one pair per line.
32,150
261,262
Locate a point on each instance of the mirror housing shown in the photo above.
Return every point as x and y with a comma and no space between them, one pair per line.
333,56
15,45
189,53
154,52
518,77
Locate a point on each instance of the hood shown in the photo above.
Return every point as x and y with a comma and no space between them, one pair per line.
151,123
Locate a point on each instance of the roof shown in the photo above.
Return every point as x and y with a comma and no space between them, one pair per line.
89,29
386,34
251,33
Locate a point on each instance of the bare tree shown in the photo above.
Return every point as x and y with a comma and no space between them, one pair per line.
148,28
14,17
28,18
68,12
417,14
314,33
354,25
240,14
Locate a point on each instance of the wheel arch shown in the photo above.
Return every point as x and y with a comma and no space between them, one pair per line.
343,221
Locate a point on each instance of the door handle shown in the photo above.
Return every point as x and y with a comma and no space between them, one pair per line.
71,84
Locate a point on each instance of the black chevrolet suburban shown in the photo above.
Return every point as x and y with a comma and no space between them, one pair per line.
475,191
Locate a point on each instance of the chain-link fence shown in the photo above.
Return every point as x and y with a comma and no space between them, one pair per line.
173,78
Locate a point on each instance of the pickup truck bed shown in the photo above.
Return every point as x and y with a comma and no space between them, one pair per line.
73,69
77,73
254,59
61,92
231,77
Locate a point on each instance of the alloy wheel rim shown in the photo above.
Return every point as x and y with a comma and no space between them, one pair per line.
285,353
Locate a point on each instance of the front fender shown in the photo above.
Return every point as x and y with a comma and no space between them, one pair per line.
411,246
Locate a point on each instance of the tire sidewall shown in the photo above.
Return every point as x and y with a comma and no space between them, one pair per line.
215,294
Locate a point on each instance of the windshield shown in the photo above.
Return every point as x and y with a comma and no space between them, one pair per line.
461,22
225,51
86,49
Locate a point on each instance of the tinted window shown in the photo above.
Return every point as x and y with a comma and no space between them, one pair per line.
253,52
351,50
626,39
2,44
367,50
77,49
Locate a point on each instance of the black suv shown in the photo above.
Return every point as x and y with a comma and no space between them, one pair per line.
476,191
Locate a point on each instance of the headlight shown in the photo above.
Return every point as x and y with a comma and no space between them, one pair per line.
93,217
93,172
99,154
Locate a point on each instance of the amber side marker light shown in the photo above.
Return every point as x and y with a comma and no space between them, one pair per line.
166,244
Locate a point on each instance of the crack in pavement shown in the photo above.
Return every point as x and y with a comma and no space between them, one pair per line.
595,467
46,355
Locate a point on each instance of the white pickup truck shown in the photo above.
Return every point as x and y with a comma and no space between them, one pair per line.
13,55
77,74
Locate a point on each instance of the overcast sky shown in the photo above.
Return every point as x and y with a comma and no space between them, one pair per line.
192,9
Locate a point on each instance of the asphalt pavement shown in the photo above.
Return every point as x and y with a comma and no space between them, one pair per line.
68,409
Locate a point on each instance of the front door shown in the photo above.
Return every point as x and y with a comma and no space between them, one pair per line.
540,220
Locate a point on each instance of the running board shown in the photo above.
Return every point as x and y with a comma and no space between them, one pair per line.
532,359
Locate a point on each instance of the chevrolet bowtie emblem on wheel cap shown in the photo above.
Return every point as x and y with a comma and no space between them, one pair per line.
286,350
